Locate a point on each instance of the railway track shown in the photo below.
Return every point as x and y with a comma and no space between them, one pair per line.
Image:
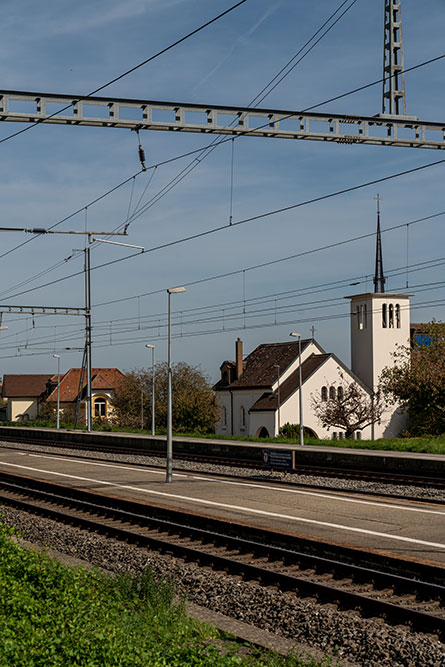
318,471
326,573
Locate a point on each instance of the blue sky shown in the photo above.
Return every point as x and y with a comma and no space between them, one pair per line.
49,172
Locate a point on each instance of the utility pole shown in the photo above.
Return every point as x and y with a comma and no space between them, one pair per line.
394,101
88,336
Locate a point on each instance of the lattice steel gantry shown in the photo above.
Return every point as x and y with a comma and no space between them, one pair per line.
394,100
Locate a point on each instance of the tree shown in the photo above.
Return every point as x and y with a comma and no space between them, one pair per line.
348,406
194,403
417,380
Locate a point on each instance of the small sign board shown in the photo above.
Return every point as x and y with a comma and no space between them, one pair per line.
279,458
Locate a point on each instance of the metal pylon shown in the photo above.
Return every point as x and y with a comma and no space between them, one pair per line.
394,102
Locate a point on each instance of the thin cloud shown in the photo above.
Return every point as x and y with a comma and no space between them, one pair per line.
240,39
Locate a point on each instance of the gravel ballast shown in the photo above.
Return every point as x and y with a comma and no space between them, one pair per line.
366,642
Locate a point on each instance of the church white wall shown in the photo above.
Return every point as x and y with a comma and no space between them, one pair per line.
260,420
329,373
372,344
241,402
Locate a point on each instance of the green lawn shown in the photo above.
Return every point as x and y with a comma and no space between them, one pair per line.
53,615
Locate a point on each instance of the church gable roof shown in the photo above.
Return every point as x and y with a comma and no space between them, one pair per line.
269,400
260,365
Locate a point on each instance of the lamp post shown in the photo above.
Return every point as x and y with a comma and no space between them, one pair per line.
57,356
300,392
277,366
152,348
172,290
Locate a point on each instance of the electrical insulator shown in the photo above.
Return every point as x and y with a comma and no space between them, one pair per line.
142,157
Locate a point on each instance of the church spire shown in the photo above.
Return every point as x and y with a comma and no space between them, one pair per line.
379,279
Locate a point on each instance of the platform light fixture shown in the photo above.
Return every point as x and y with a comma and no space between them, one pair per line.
57,356
152,348
300,392
170,291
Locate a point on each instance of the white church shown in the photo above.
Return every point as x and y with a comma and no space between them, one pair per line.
260,393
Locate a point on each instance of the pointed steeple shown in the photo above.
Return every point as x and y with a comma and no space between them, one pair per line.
379,278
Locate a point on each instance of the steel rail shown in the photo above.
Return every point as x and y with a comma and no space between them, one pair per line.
139,114
135,514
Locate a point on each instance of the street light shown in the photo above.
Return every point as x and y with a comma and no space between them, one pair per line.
57,356
297,335
277,366
152,348
172,290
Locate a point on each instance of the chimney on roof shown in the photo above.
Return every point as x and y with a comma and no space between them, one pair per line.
239,357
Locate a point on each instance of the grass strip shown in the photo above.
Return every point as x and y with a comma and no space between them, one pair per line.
54,615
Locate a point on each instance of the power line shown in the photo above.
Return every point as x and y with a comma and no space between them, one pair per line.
131,70
247,220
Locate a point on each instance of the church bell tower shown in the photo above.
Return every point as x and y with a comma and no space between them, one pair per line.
380,322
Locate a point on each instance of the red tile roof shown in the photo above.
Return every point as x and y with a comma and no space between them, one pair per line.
101,378
15,386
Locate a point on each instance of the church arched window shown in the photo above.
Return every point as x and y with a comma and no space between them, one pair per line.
391,316
242,417
357,314
384,316
398,315
332,392
224,416
324,393
340,391
365,316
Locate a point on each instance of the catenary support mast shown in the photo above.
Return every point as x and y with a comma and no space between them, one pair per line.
394,101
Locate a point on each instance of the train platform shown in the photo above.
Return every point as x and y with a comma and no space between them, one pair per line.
395,527
327,455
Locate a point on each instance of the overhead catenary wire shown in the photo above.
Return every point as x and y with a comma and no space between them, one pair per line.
132,69
241,222
263,325
213,145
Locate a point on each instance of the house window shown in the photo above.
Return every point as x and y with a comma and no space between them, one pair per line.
357,313
224,416
384,316
100,407
391,316
332,393
339,393
358,435
365,316
324,393
398,315
243,417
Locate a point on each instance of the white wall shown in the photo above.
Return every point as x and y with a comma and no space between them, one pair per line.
20,406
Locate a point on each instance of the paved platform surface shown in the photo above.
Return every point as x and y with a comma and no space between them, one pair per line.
413,530
327,455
